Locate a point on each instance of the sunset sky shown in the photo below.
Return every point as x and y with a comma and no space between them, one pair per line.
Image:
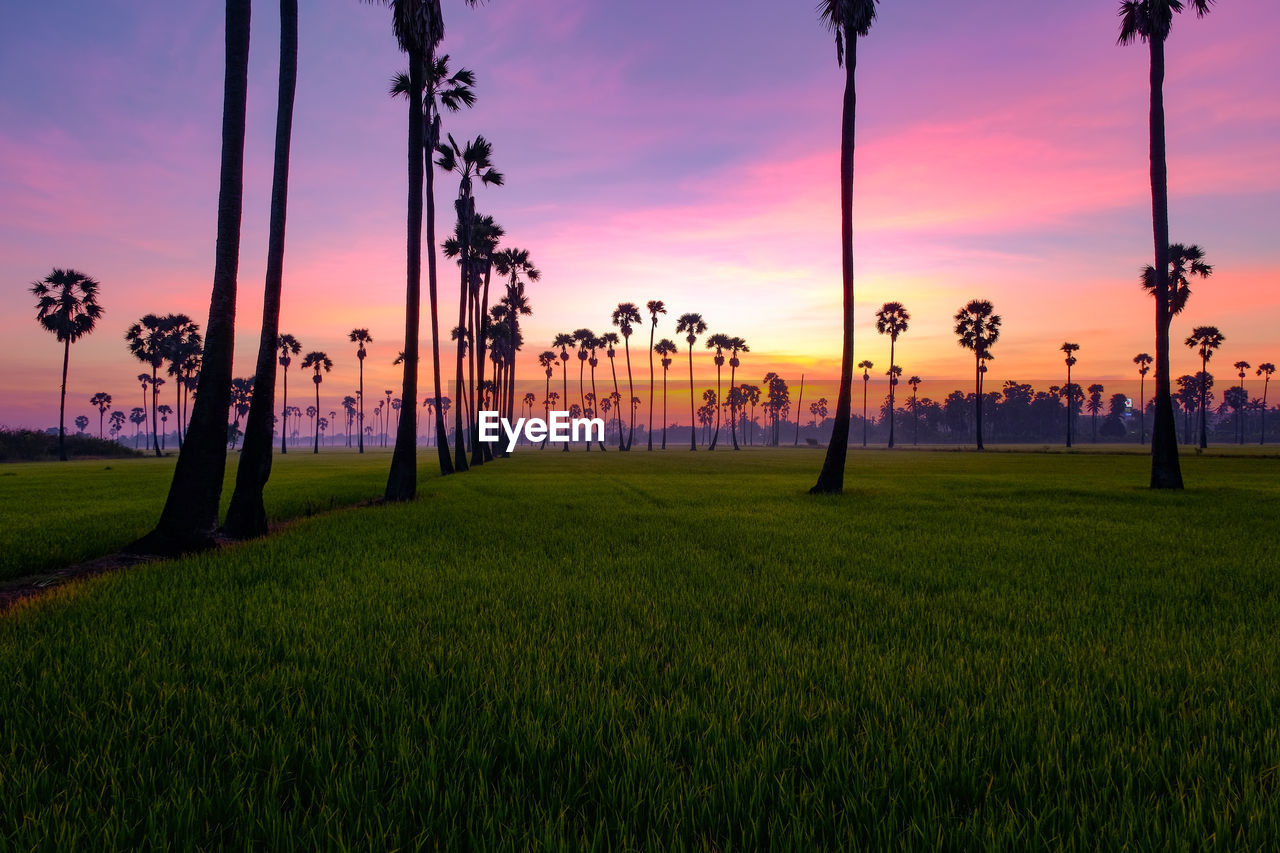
678,151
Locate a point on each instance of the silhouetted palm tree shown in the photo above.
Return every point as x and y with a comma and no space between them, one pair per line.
453,92
137,417
594,344
914,382
717,342
146,340
1150,21
547,360
1242,368
317,361
1206,339
1071,350
736,345
165,411
288,346
564,341
181,343
1264,370
892,320
851,20
583,338
360,337
866,366
117,420
190,514
246,515
82,423
665,349
656,307
610,341
1095,407
103,401
626,316
1144,366
978,328
691,325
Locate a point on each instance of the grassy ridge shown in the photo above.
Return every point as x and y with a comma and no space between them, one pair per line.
57,513
1008,651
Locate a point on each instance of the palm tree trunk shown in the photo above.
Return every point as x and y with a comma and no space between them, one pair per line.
284,404
715,436
360,408
977,403
1071,401
1204,403
247,516
831,478
315,431
653,327
664,407
190,514
631,393
693,412
442,448
62,402
892,387
155,416
564,390
799,412
482,452
402,480
733,409
864,411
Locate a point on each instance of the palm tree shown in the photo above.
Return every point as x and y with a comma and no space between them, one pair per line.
190,514
117,420
1206,339
594,344
978,328
866,366
719,343
146,340
625,317
914,382
1151,21
513,263
470,163
564,341
583,338
691,325
453,92
288,346
181,343
241,393
665,349
851,20
1242,368
547,360
751,397
165,410
656,307
610,341
1144,367
360,337
82,422
1095,406
1264,370
103,401
735,345
1070,349
317,361
137,417
892,320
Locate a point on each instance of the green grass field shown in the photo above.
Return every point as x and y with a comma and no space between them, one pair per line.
1002,651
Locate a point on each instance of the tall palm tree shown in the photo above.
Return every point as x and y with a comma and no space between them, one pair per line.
547,360
470,162
246,515
564,341
892,320
1242,368
103,401
598,405
453,92
865,365
165,411
851,20
1144,367
513,263
665,349
117,420
978,328
1151,21
626,316
1095,406
190,514
317,361
691,325
287,346
914,382
360,337
719,343
1264,370
181,342
1070,349
137,417
655,307
146,340
737,345
584,339
1206,339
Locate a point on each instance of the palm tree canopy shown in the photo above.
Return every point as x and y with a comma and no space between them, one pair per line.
892,319
978,327
317,360
847,18
1145,19
1184,262
664,347
626,316
1206,339
656,307
67,304
691,324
